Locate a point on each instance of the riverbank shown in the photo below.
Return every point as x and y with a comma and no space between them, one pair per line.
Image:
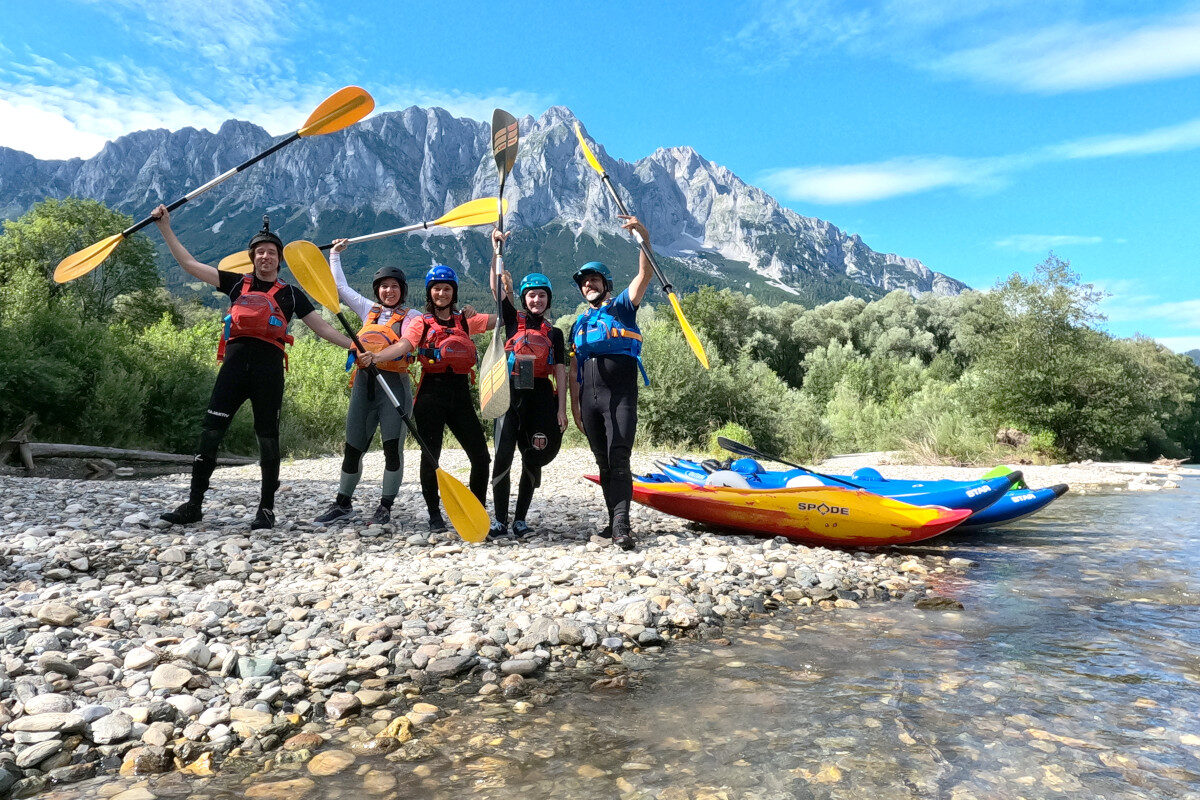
129,646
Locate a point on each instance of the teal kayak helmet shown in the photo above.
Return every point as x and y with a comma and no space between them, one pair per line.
266,236
536,280
597,268
440,273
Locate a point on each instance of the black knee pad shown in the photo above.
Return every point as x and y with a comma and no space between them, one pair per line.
352,460
391,455
268,448
210,442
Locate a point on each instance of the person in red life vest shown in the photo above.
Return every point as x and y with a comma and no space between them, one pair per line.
384,320
606,346
442,341
537,411
252,361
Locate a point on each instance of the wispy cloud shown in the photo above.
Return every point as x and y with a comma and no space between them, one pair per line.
1023,45
857,183
1039,243
1180,344
1072,57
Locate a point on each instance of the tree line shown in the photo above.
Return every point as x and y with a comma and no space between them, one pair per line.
114,359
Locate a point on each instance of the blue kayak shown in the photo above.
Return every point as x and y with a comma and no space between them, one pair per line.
748,474
1010,506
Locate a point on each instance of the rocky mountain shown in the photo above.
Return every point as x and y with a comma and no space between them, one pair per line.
405,166
1194,355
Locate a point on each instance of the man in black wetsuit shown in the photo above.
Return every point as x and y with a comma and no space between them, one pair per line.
606,345
253,361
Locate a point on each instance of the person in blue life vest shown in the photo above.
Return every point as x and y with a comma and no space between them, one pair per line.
441,340
537,411
384,319
606,348
253,361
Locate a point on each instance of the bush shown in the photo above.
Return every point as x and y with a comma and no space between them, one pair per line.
730,430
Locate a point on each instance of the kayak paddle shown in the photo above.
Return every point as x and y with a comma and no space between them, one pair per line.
464,510
493,371
340,110
739,449
688,333
473,212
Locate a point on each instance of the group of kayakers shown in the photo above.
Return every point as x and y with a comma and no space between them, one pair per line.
599,362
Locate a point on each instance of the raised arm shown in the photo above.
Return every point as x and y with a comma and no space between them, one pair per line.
641,282
162,218
358,304
498,240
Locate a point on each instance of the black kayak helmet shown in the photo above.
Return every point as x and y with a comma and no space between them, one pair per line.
596,268
384,273
265,236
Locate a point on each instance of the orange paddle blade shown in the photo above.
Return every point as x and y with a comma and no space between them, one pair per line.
81,263
340,110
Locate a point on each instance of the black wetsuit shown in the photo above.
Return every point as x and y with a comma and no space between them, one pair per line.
530,425
252,370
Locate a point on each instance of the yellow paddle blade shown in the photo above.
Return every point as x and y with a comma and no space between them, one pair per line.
494,396
340,110
466,514
236,262
312,273
475,212
81,263
587,151
688,333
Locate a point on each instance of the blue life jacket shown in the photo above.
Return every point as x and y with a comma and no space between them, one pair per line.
597,332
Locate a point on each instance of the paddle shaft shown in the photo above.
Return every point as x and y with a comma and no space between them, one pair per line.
642,243
132,229
374,372
737,448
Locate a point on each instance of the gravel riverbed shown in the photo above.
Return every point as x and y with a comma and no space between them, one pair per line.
130,646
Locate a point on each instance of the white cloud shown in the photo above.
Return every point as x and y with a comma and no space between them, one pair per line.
1039,243
44,134
473,105
1179,344
1071,56
857,183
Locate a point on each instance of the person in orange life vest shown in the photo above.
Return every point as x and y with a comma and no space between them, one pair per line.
537,411
253,361
384,320
606,347
442,341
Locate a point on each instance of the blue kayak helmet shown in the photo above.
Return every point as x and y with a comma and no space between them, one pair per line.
597,268
440,273
536,280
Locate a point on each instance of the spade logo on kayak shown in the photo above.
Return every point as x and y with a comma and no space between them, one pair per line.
824,509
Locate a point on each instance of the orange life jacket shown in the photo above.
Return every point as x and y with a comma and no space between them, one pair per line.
447,347
531,344
376,338
256,315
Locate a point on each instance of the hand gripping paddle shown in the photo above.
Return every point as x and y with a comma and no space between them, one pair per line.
466,514
493,371
340,110
688,333
475,212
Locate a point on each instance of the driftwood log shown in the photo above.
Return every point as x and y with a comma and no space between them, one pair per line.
47,450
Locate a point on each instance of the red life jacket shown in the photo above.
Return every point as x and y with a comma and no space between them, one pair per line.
447,347
531,344
256,315
376,337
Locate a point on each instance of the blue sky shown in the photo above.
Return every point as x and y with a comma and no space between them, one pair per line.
975,137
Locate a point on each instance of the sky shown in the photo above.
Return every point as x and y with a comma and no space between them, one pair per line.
977,137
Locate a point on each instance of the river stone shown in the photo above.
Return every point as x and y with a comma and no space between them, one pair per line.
36,723
255,666
342,705
327,673
449,667
114,727
135,793
139,658
519,667
937,603
172,555
73,772
31,755
53,662
186,705
48,704
331,762
147,760
281,790
59,615
304,741
377,781
247,722
169,677
41,642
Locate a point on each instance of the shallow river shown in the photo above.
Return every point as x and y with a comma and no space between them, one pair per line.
1073,671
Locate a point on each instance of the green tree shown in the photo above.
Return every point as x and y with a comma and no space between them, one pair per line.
54,229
